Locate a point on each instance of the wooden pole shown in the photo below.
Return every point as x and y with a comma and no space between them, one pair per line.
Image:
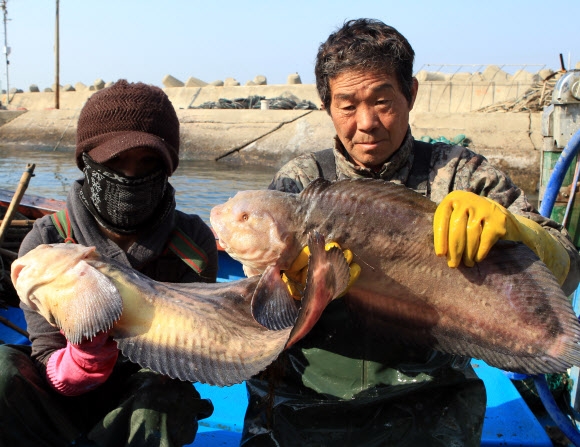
24,180
20,223
57,60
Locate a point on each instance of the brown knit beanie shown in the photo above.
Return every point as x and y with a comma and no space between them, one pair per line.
126,116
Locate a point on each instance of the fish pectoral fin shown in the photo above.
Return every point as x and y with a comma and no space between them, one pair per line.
327,278
272,305
93,305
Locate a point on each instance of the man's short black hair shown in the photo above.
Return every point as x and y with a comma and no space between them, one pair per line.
364,44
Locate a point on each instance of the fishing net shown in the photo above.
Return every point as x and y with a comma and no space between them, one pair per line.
459,140
557,383
255,101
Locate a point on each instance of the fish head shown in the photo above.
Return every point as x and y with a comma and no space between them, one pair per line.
42,272
255,228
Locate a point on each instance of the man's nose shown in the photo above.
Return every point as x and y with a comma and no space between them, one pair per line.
366,118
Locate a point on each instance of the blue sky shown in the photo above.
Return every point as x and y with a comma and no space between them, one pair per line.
144,40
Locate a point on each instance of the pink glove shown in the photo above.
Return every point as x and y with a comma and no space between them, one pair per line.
80,368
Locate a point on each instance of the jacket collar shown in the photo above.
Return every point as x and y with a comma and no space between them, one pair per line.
396,169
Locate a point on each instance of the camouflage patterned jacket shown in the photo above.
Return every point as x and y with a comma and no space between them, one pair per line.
450,168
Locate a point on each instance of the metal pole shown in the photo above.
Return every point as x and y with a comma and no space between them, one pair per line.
6,51
57,57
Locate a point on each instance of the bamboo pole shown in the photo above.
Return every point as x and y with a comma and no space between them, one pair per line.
20,223
24,180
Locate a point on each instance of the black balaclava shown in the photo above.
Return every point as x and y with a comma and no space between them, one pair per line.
126,205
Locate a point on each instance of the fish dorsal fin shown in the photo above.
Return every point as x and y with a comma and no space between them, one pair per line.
328,275
316,187
94,305
272,305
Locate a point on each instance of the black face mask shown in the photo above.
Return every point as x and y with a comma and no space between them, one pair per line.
122,204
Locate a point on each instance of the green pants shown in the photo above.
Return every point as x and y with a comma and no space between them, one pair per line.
135,407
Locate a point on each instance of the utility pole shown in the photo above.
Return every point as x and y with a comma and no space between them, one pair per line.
57,62
6,50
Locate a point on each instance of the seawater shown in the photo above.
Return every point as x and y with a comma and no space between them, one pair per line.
199,185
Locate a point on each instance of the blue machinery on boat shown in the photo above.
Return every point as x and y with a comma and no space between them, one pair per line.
561,169
561,129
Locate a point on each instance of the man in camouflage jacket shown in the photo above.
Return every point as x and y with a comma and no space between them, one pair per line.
339,385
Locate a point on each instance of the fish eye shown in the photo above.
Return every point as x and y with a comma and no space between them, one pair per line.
245,216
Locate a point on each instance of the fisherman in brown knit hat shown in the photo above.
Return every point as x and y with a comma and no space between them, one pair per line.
59,393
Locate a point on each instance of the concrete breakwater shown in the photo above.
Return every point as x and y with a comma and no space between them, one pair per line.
444,107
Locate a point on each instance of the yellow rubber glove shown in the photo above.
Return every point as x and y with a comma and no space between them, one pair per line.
295,276
466,226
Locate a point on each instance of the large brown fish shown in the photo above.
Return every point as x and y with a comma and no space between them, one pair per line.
507,310
195,332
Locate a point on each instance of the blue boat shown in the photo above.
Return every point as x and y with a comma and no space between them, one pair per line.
508,421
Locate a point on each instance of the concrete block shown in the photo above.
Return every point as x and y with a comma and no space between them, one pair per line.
47,90
260,80
99,84
248,83
495,74
424,75
460,78
524,76
108,84
33,88
68,88
194,82
294,78
80,87
231,82
217,83
170,81
544,73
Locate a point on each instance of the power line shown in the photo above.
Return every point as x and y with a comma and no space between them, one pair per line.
6,50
